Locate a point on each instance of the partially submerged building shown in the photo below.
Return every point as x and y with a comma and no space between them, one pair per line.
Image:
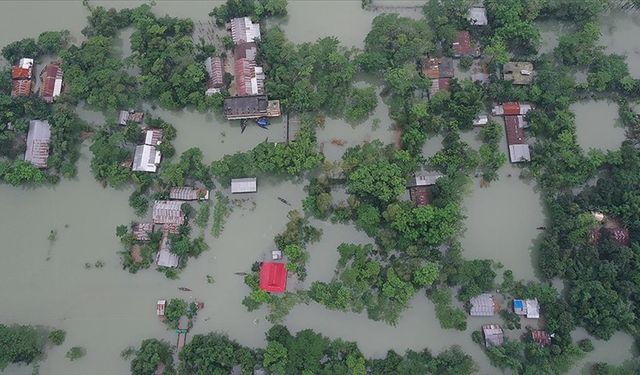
38,139
528,307
482,305
146,159
51,78
215,70
420,187
478,15
439,71
249,78
130,116
165,258
493,335
511,109
142,231
21,75
244,185
541,337
518,72
168,212
250,107
160,306
273,277
188,193
153,136
243,30
516,141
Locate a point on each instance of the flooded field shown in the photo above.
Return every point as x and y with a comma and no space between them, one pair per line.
106,310
598,125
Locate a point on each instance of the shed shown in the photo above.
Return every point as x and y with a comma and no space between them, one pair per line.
38,140
480,120
541,337
188,193
462,45
519,307
519,153
244,185
493,335
21,87
533,308
243,30
273,277
477,15
141,231
130,116
482,305
146,159
620,236
165,257
51,78
425,179
168,212
153,136
250,107
518,72
160,306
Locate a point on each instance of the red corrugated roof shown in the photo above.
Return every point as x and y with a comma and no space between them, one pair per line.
444,84
273,277
515,134
541,337
462,44
511,108
431,67
20,73
48,76
420,195
21,87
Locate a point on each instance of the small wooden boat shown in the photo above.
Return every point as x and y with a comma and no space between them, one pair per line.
184,289
284,201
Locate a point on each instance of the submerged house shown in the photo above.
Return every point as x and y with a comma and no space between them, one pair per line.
187,193
141,231
249,78
516,141
21,75
462,45
146,159
518,72
38,139
250,107
168,212
130,116
215,70
273,277
165,258
243,30
482,305
618,235
244,185
511,109
439,71
51,78
528,307
493,335
420,187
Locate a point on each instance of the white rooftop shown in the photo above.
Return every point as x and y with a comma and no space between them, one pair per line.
244,185
146,159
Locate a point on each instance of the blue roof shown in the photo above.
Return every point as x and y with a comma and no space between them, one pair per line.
518,304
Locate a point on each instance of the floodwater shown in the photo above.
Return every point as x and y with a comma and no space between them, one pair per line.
106,310
597,125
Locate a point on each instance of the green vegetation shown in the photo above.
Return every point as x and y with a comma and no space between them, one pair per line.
151,354
256,9
48,43
57,336
21,344
220,213
491,157
202,217
75,353
361,103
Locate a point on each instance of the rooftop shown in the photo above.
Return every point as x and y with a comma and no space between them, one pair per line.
250,107
141,231
188,193
493,335
146,159
153,136
51,77
168,212
420,195
520,73
273,277
462,44
482,305
477,15
38,140
244,185
541,337
243,30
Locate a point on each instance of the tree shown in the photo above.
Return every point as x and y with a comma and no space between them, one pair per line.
275,357
57,336
427,274
20,344
360,104
76,352
23,172
152,353
175,309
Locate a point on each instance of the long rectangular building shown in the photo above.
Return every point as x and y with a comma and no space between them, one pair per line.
250,107
38,140
516,140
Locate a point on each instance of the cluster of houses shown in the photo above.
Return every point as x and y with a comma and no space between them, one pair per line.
50,80
440,71
484,305
146,157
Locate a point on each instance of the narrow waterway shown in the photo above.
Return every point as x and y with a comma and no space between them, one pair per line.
107,309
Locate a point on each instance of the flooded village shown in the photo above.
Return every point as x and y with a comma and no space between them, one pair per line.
96,275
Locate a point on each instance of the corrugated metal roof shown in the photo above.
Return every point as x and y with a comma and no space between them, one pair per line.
273,277
187,193
165,257
519,153
38,140
427,178
243,30
482,305
146,159
51,77
244,185
477,16
141,231
168,212
493,335
153,136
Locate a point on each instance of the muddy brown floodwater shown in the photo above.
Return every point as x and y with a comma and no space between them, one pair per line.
105,310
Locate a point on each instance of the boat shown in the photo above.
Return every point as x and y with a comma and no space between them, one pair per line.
284,201
184,289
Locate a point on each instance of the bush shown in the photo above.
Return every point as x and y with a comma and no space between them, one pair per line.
57,336
465,63
585,345
76,352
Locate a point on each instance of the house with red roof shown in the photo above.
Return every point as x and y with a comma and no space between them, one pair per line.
462,45
273,277
51,77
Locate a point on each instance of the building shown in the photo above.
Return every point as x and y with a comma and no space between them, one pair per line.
276,254
244,185
247,51
130,116
541,337
168,212
273,277
431,67
462,45
153,136
511,109
516,142
420,187
165,258
482,305
21,87
38,140
478,15
141,231
160,306
529,308
249,78
187,193
243,30
250,107
51,78
215,69
493,335
439,71
146,159
519,73
481,120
